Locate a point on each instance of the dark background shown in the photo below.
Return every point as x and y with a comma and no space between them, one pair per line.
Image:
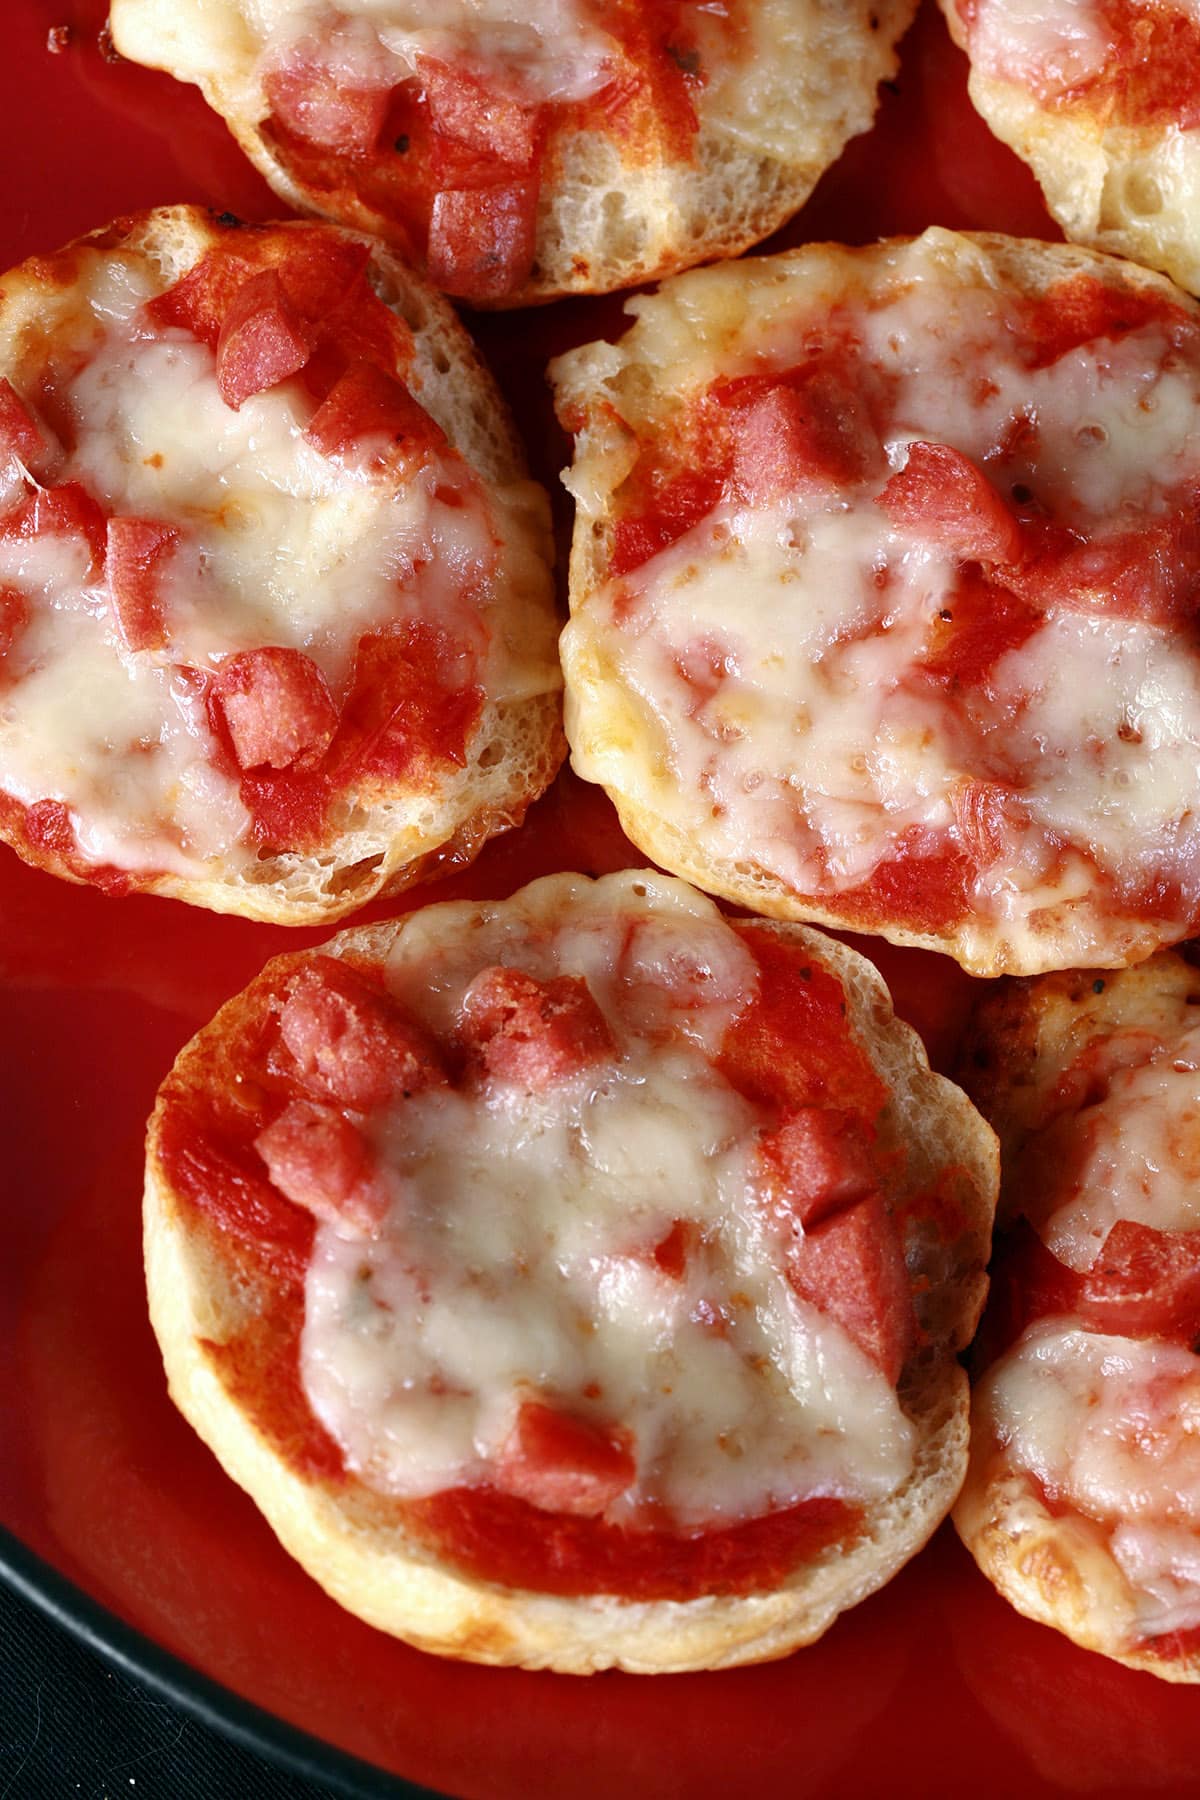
72,1727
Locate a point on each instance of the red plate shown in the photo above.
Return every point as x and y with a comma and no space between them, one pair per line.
935,1685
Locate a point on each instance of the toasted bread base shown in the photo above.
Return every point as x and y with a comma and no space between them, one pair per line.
381,837
1055,1569
607,218
352,1540
1131,190
610,392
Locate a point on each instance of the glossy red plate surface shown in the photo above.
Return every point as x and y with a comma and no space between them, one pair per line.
933,1686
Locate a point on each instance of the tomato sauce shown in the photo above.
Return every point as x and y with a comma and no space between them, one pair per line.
496,1538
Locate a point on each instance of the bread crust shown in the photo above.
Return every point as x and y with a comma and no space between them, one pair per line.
1132,190
385,835
350,1539
607,394
1053,1566
608,216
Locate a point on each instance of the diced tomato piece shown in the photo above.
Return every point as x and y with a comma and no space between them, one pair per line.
14,617
981,622
564,1464
199,300
1082,308
313,100
1144,1283
850,1264
138,552
949,503
322,276
262,341
533,1033
816,1164
479,115
482,240
673,508
21,435
369,418
801,1005
794,436
1152,574
350,1042
67,511
812,427
671,1252
317,271
319,1160
413,701
277,707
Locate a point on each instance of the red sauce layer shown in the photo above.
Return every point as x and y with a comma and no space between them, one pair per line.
496,1538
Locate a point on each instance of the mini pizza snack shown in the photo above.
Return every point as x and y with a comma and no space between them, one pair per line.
276,617
575,1280
1102,99
883,585
1082,1503
517,151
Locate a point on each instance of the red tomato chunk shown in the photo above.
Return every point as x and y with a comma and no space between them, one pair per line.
533,1033
564,1464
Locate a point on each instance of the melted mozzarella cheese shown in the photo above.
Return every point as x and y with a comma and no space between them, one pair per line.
823,745
1162,1566
518,1256
1049,46
279,545
556,51
1139,1156
1111,1423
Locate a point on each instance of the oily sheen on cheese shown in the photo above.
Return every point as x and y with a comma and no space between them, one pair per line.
1081,1501
1100,98
276,545
815,698
487,1274
413,1351
520,152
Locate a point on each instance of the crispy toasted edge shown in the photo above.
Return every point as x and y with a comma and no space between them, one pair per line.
1052,1569
588,380
363,1559
604,221
1055,1570
1132,190
407,835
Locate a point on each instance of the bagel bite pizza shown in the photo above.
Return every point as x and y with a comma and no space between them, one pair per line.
883,589
277,626
575,1280
1102,99
516,151
1082,1503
